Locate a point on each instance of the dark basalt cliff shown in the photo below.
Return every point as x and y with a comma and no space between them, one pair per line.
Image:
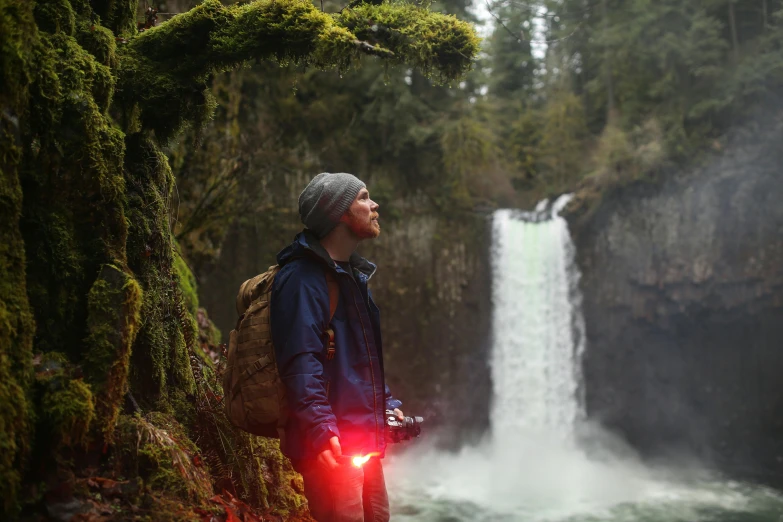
683,304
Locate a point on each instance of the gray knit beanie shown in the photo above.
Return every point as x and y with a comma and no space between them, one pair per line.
326,198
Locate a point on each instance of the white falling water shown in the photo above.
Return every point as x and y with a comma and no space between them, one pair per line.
538,329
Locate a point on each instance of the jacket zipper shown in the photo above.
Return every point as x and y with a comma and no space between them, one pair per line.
369,360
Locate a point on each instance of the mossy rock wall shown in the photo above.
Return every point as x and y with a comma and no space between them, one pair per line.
18,39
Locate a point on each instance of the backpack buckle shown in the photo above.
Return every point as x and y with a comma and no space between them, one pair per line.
330,349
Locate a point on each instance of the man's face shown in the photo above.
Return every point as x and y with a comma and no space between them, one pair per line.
362,216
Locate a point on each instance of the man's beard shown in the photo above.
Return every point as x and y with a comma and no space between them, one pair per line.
364,228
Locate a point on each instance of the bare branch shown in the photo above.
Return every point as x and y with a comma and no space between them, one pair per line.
504,26
524,39
540,11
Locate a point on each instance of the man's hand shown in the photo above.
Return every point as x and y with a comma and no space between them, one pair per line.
329,456
399,414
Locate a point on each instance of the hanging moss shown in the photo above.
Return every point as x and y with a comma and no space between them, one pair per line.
114,306
160,359
73,217
293,30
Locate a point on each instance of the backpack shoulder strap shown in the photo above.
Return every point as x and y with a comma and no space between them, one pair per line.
334,292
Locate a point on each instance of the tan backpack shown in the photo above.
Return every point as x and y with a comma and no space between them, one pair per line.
253,393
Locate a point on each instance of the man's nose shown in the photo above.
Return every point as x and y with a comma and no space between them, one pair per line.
374,206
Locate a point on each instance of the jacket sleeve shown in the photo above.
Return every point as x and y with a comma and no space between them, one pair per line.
299,315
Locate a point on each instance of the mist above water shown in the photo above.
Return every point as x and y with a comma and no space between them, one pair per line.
542,461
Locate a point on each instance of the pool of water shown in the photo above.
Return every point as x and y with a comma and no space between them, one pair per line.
544,481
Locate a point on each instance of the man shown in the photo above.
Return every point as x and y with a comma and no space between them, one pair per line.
337,395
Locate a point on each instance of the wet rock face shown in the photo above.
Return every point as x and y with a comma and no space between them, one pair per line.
433,288
683,303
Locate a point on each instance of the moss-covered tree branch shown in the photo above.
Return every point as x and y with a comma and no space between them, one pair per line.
164,72
437,44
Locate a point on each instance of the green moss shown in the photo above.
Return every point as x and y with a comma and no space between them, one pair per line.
54,288
114,306
187,284
160,356
15,426
437,44
82,8
80,73
99,42
65,409
55,16
72,178
285,484
252,466
291,30
18,38
68,408
118,15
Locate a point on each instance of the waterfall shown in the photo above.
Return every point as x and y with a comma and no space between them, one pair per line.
538,328
532,467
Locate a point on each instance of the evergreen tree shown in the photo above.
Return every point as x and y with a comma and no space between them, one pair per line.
510,50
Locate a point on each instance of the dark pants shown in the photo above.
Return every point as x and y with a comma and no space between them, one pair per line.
346,494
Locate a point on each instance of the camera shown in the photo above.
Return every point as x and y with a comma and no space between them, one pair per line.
406,428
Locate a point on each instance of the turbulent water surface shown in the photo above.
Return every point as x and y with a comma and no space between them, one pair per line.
542,461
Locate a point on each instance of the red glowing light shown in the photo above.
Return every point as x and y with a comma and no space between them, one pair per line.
360,461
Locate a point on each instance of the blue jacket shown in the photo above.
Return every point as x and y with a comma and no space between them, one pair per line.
347,395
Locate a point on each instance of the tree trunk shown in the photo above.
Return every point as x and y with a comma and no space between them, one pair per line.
733,27
608,66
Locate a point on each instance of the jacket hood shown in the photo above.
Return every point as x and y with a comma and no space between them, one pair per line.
306,244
